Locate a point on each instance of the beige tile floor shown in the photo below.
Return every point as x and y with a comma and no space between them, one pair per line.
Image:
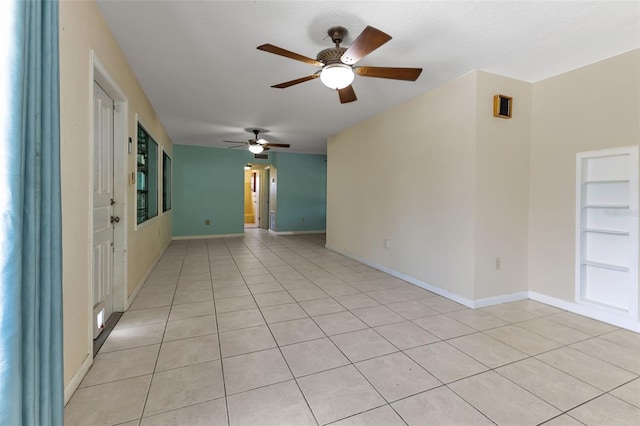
267,330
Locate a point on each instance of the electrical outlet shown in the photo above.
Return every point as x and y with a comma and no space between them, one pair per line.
498,263
386,243
207,222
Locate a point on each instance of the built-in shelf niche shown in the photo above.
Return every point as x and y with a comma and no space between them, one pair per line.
607,230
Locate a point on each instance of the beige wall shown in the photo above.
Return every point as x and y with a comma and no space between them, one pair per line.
82,29
453,187
595,107
407,175
502,187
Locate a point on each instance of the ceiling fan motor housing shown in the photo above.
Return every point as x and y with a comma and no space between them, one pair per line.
331,55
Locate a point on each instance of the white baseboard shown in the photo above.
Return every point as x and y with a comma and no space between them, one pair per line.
322,231
503,298
432,288
133,295
206,237
73,384
588,311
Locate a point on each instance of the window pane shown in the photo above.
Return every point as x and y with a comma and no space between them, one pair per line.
147,177
166,182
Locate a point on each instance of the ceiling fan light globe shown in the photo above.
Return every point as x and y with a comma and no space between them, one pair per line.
256,149
262,141
337,76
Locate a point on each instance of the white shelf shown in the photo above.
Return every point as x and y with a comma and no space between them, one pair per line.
605,231
605,266
605,206
606,181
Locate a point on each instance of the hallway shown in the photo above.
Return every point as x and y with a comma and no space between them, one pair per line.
278,330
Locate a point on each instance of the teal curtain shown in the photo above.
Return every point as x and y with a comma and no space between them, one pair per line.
31,376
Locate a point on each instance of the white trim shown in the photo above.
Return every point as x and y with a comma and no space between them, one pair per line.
135,292
588,311
432,288
75,381
579,287
320,231
139,226
205,237
162,211
503,298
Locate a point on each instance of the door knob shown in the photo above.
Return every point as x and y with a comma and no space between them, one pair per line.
115,219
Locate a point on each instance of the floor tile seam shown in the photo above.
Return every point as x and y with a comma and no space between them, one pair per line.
359,413
193,336
190,337
174,303
570,346
177,367
180,408
520,350
164,331
287,363
575,377
140,325
446,339
136,376
619,344
475,328
404,397
576,329
453,347
621,399
562,410
471,405
367,359
222,377
624,348
195,316
568,412
126,349
623,384
554,340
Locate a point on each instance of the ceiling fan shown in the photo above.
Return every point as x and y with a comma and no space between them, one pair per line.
337,63
258,144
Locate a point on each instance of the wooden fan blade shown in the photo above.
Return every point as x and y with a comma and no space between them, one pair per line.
296,81
289,54
368,41
410,74
244,143
278,145
347,95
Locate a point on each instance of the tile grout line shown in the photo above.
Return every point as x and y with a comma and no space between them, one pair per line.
146,399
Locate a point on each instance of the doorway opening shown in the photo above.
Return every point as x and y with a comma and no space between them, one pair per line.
256,198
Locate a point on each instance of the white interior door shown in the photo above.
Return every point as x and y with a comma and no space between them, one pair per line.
103,220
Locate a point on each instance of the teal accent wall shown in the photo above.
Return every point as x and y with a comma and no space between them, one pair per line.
208,183
302,192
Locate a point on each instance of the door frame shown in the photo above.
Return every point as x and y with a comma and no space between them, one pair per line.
263,201
100,75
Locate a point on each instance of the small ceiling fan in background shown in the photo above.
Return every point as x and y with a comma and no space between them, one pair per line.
258,144
337,63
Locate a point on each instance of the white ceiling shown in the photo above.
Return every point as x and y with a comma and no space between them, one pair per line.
197,60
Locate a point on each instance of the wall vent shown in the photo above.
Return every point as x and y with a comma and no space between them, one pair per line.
261,156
